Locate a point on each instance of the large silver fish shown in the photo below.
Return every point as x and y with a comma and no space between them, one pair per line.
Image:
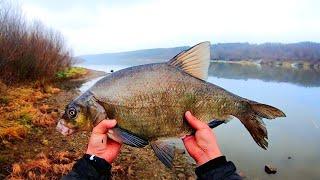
149,102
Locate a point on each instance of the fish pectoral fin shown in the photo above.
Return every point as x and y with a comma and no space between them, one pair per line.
215,123
194,61
124,136
164,152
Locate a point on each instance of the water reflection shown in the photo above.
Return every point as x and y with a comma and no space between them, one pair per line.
307,77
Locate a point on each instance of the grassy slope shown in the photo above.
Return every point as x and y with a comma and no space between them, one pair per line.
26,113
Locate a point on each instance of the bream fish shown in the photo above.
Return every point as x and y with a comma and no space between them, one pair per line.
149,102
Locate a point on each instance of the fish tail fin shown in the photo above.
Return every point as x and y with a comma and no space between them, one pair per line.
266,111
252,120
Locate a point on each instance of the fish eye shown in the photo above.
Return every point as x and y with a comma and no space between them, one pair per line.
72,113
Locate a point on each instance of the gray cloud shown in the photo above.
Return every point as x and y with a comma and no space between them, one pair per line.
103,26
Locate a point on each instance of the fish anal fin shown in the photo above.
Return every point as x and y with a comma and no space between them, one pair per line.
194,61
164,151
123,136
256,128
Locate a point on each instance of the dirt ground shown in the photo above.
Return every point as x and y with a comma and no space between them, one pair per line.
43,153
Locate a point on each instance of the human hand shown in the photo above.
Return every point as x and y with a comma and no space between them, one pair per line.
102,146
202,146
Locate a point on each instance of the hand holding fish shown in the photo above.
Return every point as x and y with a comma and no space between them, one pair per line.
202,146
102,146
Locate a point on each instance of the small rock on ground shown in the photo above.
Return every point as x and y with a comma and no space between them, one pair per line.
270,169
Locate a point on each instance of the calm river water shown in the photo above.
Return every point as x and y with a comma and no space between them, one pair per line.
294,141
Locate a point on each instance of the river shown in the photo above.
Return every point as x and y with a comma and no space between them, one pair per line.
294,141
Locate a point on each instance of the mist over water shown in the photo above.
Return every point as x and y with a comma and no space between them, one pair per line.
295,91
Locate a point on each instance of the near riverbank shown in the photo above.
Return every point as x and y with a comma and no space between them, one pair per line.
28,116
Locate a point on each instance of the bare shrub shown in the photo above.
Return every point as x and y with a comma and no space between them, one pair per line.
29,51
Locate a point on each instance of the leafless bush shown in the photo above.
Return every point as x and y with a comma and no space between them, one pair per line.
28,50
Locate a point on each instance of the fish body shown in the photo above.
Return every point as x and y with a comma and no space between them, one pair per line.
149,102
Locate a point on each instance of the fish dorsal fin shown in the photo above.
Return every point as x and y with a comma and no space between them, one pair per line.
194,61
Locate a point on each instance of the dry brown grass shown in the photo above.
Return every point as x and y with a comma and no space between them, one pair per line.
21,112
44,167
11,130
44,120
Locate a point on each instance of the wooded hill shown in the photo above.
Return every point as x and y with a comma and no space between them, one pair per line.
303,51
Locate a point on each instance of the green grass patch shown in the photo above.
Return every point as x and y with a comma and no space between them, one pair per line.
4,100
25,119
3,159
70,73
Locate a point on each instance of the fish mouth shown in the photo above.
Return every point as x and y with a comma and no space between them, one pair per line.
63,128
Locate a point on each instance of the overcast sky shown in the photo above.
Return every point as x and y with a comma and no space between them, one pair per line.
99,26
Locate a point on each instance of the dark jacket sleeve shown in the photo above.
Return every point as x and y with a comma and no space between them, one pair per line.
217,169
89,167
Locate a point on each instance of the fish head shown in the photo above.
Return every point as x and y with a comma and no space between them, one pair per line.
75,118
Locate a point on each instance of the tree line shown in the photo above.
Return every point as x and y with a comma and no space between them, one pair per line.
303,51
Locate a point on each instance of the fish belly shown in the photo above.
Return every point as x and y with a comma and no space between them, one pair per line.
162,115
153,121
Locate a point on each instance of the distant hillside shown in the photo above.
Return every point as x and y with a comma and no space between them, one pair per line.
134,57
303,51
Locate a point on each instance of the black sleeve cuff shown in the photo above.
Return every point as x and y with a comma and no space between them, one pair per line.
89,167
210,165
99,164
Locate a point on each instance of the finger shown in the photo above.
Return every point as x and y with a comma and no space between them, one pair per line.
113,150
113,144
194,122
188,140
191,145
104,125
187,137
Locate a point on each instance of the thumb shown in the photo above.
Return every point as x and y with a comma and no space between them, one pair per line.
194,122
104,125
